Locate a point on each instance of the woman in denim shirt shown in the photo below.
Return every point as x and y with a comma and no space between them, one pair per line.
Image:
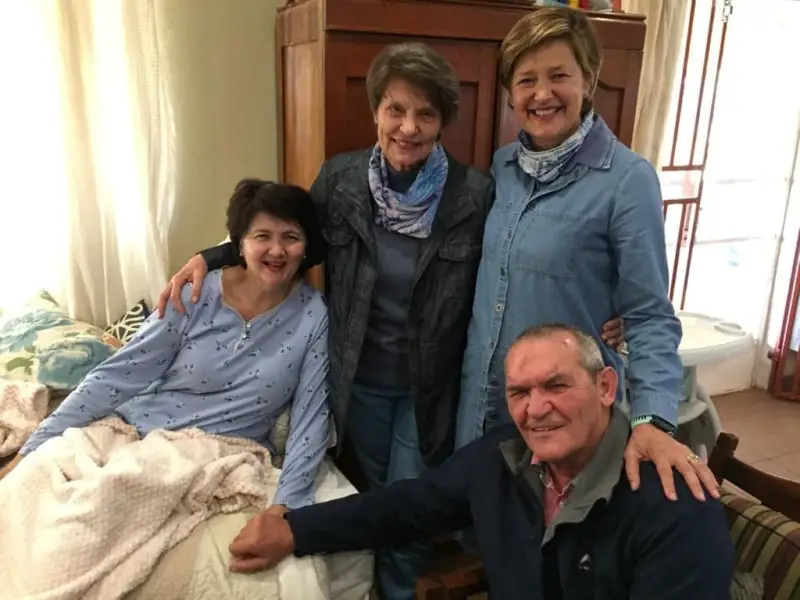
575,235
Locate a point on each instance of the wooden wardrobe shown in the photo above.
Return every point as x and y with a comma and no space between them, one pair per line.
324,49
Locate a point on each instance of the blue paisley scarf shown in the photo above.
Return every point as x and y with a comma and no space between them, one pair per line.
545,165
410,213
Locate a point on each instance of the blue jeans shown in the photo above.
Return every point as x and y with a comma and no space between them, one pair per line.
382,430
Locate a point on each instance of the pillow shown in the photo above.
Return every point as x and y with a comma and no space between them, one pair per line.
747,586
39,342
128,324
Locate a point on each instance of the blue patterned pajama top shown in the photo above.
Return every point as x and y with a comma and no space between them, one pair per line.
213,370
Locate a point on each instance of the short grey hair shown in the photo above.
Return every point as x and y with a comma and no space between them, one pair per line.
420,66
590,355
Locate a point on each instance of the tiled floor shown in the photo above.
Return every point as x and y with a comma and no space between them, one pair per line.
768,430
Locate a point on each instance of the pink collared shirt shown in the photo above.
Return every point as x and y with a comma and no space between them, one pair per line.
552,498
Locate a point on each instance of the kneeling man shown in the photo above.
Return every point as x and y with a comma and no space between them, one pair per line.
553,512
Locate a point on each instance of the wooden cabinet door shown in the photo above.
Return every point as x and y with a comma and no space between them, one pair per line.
617,90
614,99
349,124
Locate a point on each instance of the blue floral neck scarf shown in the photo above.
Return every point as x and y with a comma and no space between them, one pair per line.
545,165
410,213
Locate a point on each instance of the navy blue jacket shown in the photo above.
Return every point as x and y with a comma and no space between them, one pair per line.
605,543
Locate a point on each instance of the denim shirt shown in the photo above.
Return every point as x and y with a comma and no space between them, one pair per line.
578,250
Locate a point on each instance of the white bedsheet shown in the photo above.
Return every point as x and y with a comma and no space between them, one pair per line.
197,568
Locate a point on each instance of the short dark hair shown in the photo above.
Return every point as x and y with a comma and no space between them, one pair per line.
283,201
422,67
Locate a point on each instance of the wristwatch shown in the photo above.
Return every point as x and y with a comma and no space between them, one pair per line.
655,421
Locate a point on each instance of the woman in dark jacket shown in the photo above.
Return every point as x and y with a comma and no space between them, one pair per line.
404,225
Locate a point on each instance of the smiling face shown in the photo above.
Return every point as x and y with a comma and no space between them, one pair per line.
559,407
547,92
273,250
408,125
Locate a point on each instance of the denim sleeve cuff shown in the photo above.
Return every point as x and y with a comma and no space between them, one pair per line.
663,407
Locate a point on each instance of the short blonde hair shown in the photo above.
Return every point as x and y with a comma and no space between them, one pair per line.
548,24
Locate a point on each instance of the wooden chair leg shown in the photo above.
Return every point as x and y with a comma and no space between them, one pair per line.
723,452
454,575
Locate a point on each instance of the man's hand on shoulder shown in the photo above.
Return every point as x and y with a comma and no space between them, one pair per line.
264,542
193,272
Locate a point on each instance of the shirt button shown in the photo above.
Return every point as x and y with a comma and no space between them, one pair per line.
503,271
498,307
491,345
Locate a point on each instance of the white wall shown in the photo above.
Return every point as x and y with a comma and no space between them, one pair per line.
222,64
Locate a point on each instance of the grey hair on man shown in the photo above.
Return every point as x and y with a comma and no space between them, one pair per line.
590,355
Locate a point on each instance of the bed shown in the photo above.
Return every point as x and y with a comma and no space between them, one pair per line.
195,568
100,513
198,566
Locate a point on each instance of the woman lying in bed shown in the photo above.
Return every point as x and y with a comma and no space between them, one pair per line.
254,344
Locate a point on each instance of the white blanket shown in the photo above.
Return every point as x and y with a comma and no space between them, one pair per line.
23,405
88,515
197,568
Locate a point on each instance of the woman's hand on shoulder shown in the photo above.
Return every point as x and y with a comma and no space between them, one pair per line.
648,443
193,272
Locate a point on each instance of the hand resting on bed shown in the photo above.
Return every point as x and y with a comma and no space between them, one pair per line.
263,543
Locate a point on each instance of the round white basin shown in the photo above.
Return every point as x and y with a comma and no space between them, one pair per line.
708,339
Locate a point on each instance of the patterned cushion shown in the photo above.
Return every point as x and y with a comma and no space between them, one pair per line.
41,343
767,544
128,324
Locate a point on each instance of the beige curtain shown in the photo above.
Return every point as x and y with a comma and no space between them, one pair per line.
86,153
666,22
